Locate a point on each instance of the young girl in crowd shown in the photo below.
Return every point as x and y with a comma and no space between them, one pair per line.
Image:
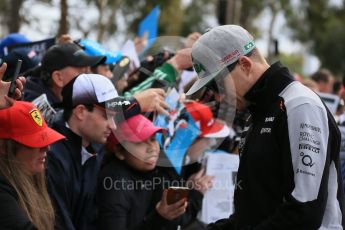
24,140
128,197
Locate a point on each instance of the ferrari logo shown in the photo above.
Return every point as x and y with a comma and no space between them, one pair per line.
37,117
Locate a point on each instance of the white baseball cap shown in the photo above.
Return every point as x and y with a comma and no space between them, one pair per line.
89,89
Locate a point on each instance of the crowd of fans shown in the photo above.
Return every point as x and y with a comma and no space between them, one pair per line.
85,167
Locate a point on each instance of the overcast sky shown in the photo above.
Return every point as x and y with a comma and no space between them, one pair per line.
50,15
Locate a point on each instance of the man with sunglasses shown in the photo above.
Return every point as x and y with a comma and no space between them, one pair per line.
289,175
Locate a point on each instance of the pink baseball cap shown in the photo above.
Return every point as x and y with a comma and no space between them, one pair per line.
135,129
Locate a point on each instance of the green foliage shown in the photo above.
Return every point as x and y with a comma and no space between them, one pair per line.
294,62
195,14
320,25
175,19
250,10
135,11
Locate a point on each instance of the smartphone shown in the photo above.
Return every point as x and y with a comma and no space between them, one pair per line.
12,88
176,194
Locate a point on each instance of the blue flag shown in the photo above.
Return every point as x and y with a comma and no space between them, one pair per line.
150,25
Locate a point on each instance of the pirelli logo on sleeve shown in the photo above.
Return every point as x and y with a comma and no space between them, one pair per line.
309,147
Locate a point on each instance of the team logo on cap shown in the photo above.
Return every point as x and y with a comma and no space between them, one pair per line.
36,116
249,46
198,67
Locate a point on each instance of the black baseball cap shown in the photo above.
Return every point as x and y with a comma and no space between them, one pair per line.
68,54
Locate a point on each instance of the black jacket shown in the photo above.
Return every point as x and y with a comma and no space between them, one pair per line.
11,215
289,175
126,200
72,186
34,87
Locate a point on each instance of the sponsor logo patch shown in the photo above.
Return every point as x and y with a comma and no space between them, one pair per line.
117,103
269,119
307,160
36,116
309,147
305,136
249,46
229,57
265,130
198,67
305,172
311,127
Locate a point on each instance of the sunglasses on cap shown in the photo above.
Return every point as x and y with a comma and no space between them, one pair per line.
226,71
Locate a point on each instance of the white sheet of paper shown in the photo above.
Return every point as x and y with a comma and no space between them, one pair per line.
128,49
44,107
218,201
186,76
